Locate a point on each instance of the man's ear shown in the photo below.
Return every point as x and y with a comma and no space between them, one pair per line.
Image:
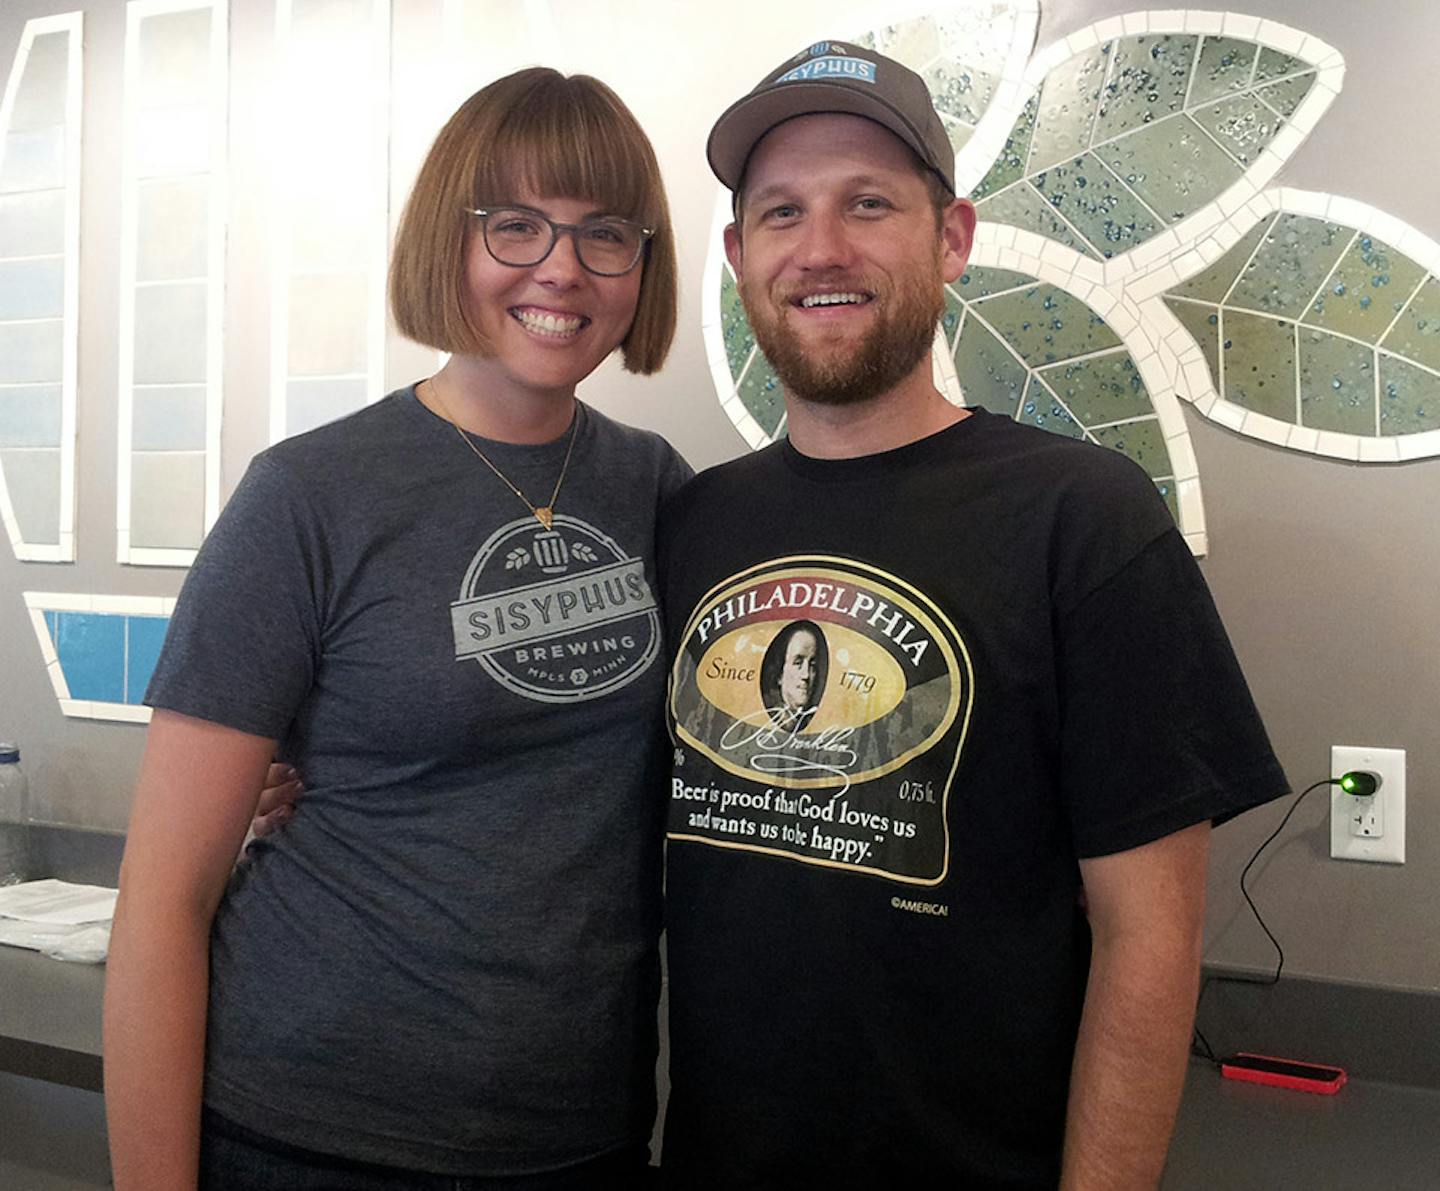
957,235
733,248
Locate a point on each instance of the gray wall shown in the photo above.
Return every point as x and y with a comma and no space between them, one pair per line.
1333,656
1327,573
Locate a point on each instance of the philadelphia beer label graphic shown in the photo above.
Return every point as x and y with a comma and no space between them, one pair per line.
558,614
820,708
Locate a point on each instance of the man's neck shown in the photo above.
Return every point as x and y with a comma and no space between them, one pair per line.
912,410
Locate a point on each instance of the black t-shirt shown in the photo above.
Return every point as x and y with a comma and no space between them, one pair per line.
909,692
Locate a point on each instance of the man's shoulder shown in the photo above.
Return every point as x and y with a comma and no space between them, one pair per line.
723,481
1030,456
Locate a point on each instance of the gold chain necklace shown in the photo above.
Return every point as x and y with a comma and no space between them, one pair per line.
545,514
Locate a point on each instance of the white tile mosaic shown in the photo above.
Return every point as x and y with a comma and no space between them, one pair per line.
186,137
1337,446
1380,450
1228,415
1204,21
1420,446
1241,25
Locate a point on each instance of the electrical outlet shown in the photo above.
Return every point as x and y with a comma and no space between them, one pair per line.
1370,828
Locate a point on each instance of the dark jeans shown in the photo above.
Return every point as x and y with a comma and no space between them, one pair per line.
233,1158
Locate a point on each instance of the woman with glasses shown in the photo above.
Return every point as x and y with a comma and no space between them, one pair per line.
440,609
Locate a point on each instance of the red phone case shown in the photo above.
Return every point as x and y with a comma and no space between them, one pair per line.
1236,1067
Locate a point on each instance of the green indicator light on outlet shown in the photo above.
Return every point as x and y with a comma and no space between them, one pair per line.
1359,783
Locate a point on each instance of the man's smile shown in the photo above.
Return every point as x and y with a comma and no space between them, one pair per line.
834,298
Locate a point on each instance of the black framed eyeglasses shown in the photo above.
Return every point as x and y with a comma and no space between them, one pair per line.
520,237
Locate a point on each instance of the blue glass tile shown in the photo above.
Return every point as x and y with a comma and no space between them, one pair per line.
147,634
91,646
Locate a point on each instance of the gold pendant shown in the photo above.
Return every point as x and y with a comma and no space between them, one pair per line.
545,515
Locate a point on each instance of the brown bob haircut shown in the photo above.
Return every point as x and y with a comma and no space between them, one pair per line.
538,132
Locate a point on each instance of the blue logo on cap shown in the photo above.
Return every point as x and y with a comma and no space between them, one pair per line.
858,69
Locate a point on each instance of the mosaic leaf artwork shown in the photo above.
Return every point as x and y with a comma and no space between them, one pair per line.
1132,136
1319,335
99,650
1043,357
40,106
1132,254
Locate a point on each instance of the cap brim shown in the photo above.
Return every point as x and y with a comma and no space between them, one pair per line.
743,124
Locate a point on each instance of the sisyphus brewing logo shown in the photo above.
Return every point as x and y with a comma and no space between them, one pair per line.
558,614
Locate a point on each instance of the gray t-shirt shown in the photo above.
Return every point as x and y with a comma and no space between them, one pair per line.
448,960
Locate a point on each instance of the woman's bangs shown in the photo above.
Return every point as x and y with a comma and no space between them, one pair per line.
562,149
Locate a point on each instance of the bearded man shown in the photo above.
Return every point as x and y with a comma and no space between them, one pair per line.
881,973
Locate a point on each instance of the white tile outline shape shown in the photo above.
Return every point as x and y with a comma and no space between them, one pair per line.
137,11
988,132
1360,218
1154,357
978,154
72,24
37,603
1329,66
374,191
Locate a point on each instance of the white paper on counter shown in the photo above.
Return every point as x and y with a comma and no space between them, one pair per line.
57,903
83,944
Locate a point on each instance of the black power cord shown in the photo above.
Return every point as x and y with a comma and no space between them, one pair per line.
1359,783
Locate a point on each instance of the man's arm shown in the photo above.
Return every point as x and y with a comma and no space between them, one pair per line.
197,790
1146,910
283,785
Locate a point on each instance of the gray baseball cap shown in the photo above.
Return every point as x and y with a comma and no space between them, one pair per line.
833,76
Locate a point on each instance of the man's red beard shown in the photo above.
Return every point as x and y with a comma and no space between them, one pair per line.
827,373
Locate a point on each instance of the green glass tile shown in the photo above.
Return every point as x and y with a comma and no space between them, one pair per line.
1046,325
1417,335
1260,363
1222,69
1275,65
1147,82
1243,126
1285,96
950,319
1142,441
761,394
1067,108
912,42
1366,290
957,133
1409,397
1172,165
1010,165
1101,389
1293,262
979,281
1091,199
1337,384
1214,283
1203,323
960,91
1043,409
1166,488
988,372
734,326
1024,206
